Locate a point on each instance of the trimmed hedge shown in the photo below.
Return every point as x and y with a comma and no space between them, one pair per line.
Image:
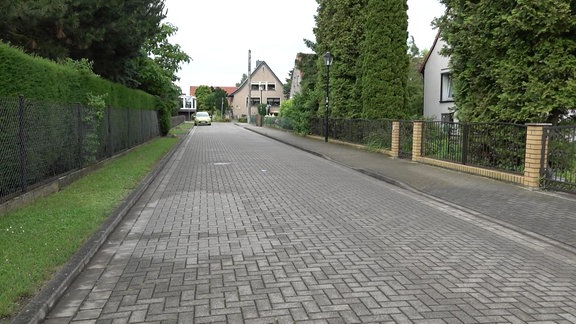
42,79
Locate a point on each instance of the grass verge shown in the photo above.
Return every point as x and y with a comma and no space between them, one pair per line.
36,240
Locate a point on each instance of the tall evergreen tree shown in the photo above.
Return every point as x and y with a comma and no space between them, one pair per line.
512,61
385,60
109,33
340,29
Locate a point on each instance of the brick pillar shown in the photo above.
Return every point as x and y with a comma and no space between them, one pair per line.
417,133
395,139
535,155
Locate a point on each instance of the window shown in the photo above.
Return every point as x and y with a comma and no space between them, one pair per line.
447,117
267,86
273,101
255,101
446,88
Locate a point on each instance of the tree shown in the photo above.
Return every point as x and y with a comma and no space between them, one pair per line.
109,33
414,85
203,97
219,100
242,80
288,85
511,61
158,64
340,30
385,63
303,105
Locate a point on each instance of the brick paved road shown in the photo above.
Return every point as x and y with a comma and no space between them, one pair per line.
241,229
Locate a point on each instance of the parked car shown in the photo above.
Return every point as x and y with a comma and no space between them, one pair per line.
202,118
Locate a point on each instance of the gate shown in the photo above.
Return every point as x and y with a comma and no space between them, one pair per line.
559,171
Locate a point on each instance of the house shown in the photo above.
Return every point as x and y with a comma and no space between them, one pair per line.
193,100
265,88
229,90
188,106
295,85
438,100
297,74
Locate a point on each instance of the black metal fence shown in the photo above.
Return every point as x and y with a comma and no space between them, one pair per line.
42,140
560,168
497,146
488,145
376,134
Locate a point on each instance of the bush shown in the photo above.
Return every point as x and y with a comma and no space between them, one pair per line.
165,119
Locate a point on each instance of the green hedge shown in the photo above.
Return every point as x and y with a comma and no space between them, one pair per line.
38,78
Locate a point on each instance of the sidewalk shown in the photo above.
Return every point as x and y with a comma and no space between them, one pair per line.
549,216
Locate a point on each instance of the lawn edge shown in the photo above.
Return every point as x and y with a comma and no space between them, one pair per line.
38,306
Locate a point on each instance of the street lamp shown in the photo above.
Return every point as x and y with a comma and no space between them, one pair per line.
261,89
327,61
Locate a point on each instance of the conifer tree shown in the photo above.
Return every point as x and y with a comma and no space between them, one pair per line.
385,61
512,61
340,29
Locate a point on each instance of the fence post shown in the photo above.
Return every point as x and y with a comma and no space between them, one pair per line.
465,142
22,144
417,133
109,134
536,152
80,138
395,139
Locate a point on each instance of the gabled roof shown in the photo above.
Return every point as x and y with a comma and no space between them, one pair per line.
259,66
229,90
423,66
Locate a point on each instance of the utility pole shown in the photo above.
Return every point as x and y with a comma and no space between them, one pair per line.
249,101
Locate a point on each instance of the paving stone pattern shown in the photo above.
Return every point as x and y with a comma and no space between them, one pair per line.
239,228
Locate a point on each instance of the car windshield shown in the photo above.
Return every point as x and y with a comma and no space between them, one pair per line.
201,114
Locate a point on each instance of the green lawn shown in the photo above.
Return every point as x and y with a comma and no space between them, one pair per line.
36,240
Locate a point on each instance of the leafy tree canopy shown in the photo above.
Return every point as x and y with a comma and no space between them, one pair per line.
203,97
512,60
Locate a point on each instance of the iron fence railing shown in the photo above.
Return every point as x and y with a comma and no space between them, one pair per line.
41,140
496,146
560,167
278,122
376,134
490,145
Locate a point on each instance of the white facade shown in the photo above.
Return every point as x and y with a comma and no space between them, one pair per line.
438,101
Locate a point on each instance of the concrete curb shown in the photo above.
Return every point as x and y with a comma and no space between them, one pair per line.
37,308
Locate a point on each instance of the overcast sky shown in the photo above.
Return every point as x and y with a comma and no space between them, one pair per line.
217,34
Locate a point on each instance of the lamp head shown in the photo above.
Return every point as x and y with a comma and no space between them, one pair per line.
328,58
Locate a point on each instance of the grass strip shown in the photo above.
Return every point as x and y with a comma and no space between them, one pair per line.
36,240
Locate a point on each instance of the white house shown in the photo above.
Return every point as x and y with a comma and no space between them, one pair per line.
438,101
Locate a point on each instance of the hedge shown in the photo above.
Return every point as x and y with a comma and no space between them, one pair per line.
42,79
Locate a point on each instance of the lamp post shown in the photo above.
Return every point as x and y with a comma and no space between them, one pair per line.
261,89
327,61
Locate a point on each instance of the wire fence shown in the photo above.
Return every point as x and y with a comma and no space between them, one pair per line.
42,140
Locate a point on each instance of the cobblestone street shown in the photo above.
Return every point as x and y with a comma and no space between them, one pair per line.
240,228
